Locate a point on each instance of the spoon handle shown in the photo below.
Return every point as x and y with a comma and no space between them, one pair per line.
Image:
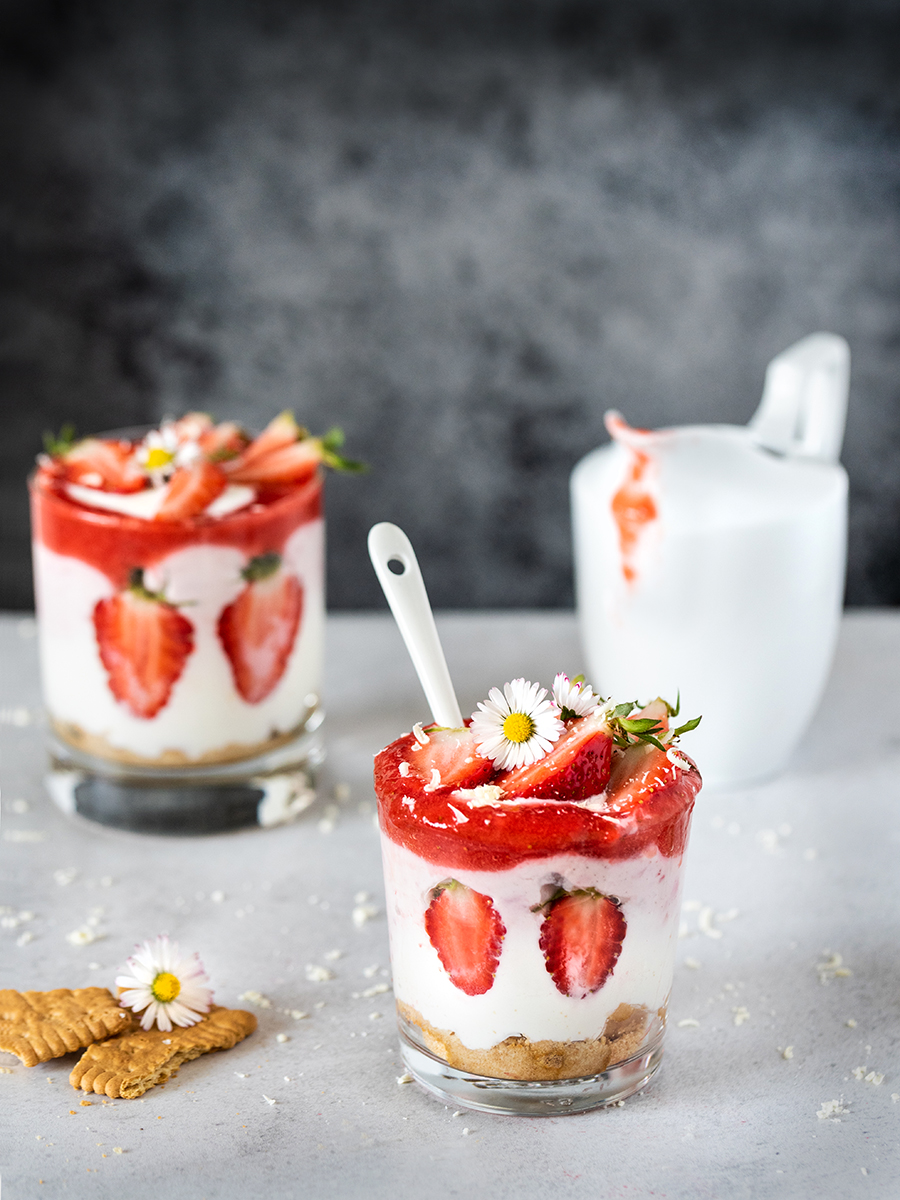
405,592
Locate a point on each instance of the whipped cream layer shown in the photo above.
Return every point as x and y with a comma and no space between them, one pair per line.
205,713
523,999
146,504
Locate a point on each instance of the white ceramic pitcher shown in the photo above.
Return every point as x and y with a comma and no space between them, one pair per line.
710,559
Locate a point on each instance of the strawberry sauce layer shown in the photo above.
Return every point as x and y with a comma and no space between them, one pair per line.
497,837
115,543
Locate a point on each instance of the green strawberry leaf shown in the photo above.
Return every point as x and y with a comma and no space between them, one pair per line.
648,737
61,443
330,443
687,727
640,724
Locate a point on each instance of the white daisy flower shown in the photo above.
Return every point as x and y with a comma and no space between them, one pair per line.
170,987
517,726
574,699
166,448
156,453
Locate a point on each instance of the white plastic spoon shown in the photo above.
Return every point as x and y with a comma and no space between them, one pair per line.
398,573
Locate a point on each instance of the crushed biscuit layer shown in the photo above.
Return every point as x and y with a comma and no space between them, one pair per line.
626,1032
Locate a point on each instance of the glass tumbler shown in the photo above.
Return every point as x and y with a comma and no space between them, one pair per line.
181,660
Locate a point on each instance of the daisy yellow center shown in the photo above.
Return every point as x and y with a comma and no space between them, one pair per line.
165,987
158,457
518,727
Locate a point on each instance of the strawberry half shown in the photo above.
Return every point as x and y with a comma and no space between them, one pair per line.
466,931
223,442
452,753
636,774
107,465
144,643
282,431
192,426
191,490
577,767
288,464
258,629
581,937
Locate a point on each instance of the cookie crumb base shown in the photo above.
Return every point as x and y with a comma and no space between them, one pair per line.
625,1032
553,1078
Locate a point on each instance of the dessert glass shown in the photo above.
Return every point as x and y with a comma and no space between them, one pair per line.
524,1046
215,754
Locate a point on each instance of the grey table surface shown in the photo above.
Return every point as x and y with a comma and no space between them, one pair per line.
781,877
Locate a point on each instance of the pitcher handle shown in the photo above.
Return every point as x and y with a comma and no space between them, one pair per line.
804,402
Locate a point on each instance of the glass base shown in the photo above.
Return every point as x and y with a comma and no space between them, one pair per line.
529,1098
268,790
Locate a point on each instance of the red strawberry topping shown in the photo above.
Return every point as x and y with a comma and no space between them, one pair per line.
258,629
466,931
106,465
288,464
452,753
576,768
581,938
282,431
193,426
653,810
144,643
636,774
223,442
191,490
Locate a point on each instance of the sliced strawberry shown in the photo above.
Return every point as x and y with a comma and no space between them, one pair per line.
104,464
577,767
144,643
288,464
258,629
191,490
281,431
581,938
452,753
223,442
636,774
466,931
192,426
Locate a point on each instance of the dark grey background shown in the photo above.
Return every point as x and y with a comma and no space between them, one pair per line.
461,229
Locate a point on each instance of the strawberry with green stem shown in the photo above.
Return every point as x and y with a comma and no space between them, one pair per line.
285,453
581,939
258,629
105,464
649,725
144,643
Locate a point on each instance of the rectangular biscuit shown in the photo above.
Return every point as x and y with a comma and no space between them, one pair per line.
38,1026
125,1067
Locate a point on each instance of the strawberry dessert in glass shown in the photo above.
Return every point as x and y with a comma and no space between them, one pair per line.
533,864
179,577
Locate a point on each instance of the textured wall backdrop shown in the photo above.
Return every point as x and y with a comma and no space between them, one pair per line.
461,230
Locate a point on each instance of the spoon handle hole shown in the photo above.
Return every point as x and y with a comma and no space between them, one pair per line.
396,566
